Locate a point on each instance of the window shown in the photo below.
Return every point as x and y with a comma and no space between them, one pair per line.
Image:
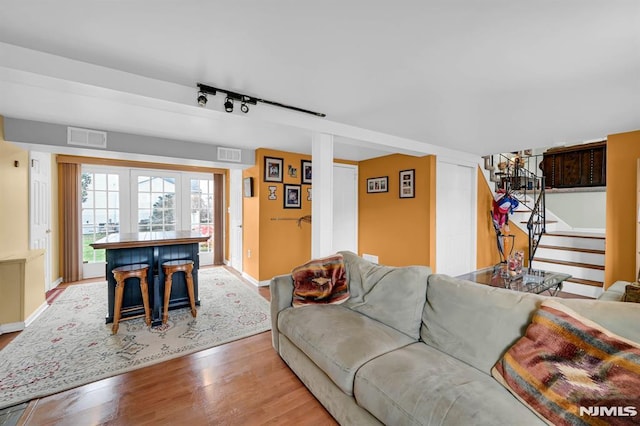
100,210
156,202
119,199
202,210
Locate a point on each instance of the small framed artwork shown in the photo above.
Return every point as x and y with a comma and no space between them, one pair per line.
273,169
272,193
407,183
305,167
292,199
378,184
247,186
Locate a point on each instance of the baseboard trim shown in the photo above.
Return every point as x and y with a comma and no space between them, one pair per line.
36,314
12,327
56,283
254,281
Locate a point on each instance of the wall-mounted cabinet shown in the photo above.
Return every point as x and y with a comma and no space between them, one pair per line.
576,166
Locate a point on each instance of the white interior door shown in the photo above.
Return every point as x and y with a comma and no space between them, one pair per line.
235,219
345,207
40,209
455,218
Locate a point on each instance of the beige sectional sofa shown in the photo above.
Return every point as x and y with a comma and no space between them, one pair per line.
414,348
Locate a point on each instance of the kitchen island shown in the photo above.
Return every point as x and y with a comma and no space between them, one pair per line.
152,248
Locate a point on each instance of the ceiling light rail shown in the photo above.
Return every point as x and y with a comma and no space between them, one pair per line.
245,100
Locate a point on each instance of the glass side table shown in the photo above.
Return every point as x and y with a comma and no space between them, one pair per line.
528,281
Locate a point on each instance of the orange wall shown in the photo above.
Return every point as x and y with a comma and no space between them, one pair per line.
277,246
487,250
623,151
400,231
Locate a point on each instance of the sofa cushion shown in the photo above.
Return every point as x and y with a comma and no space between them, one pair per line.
320,281
394,296
419,385
474,322
338,340
565,362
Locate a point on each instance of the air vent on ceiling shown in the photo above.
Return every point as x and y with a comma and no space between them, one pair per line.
230,154
87,138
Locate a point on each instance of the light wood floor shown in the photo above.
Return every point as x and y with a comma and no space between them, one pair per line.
241,383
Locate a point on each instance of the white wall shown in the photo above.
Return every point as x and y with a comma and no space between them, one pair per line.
579,209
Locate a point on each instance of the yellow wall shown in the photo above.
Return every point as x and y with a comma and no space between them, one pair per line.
623,151
487,250
22,272
14,198
276,246
400,231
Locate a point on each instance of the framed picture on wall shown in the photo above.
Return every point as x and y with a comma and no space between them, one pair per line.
292,199
407,183
247,186
305,167
273,169
378,184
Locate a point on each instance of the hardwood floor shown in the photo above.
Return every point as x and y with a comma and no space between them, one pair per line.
240,383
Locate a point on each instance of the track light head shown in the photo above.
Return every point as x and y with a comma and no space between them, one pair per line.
244,107
202,99
228,104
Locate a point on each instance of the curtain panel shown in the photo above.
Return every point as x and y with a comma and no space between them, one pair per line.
69,193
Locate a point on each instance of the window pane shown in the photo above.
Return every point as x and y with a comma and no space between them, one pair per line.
144,184
100,181
113,182
113,200
100,199
156,184
144,200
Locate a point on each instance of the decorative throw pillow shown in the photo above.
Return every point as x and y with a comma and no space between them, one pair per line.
571,371
320,281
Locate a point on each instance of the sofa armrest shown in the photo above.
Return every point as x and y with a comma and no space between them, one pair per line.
281,289
615,292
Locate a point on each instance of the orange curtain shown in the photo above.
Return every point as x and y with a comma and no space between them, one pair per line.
69,188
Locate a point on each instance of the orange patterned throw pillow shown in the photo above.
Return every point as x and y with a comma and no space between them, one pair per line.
320,281
571,371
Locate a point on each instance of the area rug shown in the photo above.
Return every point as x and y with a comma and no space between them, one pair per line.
70,345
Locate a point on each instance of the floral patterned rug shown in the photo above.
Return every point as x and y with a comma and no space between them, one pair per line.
70,345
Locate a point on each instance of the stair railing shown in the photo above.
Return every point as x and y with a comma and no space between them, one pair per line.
518,178
536,225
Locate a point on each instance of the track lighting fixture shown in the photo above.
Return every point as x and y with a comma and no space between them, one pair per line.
245,100
228,104
202,99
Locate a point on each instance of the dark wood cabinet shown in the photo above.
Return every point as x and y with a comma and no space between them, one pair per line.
575,166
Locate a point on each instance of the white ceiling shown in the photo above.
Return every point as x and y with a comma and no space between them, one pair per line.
408,76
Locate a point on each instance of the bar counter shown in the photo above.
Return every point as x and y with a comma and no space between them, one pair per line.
152,248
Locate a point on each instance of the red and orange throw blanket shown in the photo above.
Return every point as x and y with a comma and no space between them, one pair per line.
320,281
572,371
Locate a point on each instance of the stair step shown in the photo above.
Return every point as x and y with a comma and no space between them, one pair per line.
592,283
581,250
576,235
566,263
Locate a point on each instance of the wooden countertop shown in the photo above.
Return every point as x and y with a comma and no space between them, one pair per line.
146,239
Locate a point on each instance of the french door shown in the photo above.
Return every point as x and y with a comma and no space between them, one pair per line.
143,200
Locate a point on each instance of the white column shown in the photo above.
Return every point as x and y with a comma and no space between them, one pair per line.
322,195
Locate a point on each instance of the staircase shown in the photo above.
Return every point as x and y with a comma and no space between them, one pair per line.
553,246
579,254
